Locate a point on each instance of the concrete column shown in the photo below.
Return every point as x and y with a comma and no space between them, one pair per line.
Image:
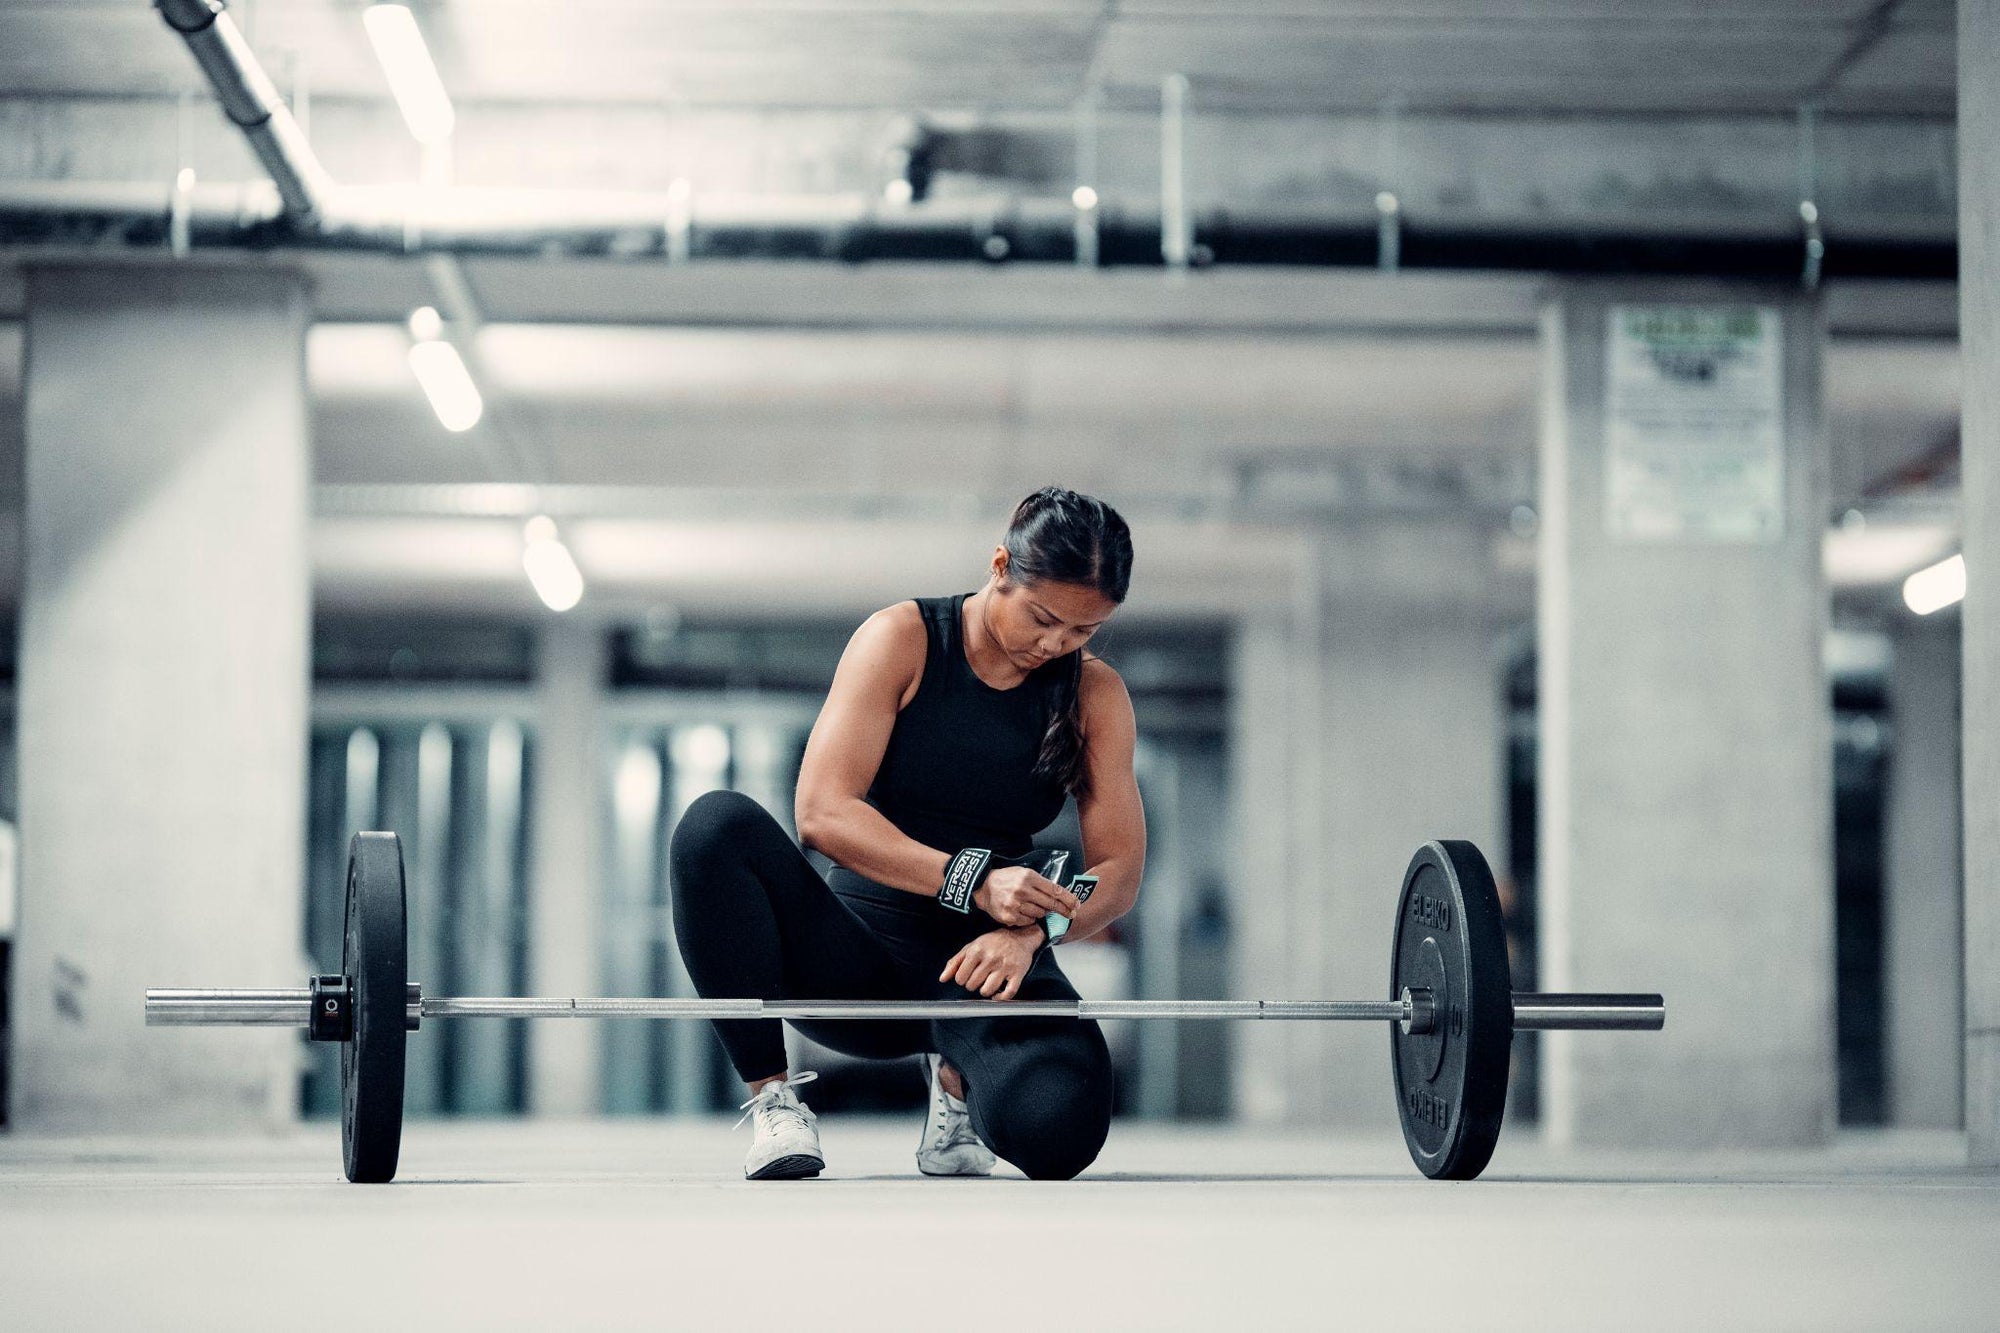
1979,344
1158,919
163,689
1923,890
1366,722
1685,736
1274,769
484,1062
1415,741
565,892
420,785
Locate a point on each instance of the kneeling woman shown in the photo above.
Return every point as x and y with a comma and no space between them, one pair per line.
954,724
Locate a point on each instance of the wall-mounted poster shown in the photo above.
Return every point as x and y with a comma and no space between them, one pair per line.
1694,445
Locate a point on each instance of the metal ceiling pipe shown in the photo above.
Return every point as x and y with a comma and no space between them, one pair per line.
138,214
668,226
251,100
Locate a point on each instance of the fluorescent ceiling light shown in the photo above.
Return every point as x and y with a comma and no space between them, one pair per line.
399,45
551,568
1935,588
447,383
1883,551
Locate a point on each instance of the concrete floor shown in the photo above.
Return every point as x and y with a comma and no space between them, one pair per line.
646,1224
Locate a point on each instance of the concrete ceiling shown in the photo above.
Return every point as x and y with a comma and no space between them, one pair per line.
752,471
1564,55
1357,421
960,390
1584,117
878,411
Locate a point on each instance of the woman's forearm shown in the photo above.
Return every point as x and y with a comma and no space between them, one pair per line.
860,838
1117,889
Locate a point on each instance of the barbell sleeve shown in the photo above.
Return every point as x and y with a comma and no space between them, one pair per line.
245,1008
1588,1013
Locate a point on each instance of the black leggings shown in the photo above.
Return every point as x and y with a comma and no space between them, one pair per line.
754,919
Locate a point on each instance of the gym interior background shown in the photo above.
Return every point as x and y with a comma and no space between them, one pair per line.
503,457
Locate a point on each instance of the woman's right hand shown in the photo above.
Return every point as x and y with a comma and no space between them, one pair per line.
1017,896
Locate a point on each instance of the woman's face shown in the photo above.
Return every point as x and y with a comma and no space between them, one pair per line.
1036,622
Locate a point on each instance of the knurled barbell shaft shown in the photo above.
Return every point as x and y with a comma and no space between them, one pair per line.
501,1007
288,1008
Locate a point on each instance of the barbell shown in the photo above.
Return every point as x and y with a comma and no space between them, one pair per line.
1452,1014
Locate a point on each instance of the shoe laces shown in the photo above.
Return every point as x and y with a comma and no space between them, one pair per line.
954,1122
769,1105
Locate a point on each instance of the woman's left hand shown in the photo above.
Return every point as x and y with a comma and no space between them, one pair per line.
994,964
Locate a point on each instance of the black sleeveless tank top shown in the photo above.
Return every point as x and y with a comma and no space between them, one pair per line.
959,769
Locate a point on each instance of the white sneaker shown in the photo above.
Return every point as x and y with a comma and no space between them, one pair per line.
949,1147
786,1146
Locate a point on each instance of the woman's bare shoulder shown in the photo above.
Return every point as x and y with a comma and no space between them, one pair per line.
1100,680
1096,668
891,644
898,627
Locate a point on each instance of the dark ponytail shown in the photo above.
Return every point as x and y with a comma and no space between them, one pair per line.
1059,536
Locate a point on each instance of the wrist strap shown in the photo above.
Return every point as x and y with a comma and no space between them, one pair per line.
962,876
1055,925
